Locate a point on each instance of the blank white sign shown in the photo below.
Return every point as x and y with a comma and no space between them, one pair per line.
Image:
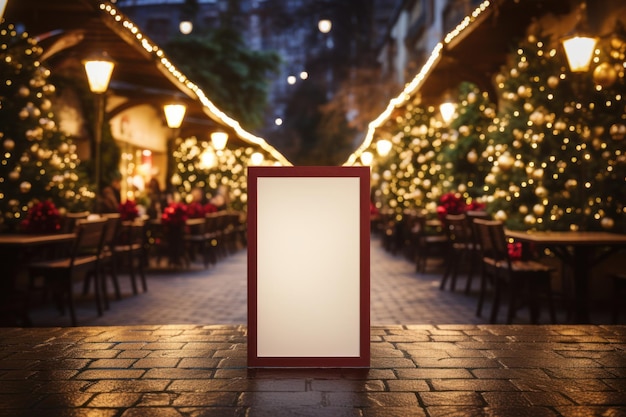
308,277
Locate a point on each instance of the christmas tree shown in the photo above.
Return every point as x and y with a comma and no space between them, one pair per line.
38,162
220,174
410,177
557,153
464,165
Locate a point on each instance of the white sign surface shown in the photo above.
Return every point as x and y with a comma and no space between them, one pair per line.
308,274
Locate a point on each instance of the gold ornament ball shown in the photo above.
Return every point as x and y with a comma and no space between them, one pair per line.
464,130
539,209
541,192
607,223
604,75
25,187
530,219
14,175
472,156
523,210
505,161
23,91
9,144
500,216
618,131
553,81
471,97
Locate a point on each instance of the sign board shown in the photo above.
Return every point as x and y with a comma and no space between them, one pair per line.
308,267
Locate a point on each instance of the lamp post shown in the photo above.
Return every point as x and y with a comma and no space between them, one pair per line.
99,69
174,115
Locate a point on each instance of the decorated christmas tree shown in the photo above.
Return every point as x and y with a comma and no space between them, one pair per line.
557,154
465,164
219,174
38,163
410,177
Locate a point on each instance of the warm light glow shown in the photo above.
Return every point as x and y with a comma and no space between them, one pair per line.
278,121
291,80
256,158
324,25
367,158
99,69
579,50
174,114
304,75
383,147
207,160
3,4
185,27
219,140
447,111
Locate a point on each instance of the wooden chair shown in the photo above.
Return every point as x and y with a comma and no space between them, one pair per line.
525,280
195,239
129,251
461,250
426,242
61,274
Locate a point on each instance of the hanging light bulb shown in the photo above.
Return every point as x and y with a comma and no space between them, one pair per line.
367,158
447,110
383,147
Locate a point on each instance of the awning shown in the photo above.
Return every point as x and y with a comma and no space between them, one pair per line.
75,29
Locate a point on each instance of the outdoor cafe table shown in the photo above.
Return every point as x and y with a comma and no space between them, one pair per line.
15,249
580,250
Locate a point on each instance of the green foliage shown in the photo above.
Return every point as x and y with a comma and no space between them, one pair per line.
233,76
38,162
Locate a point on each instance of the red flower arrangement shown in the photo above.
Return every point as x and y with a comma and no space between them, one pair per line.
210,208
453,203
175,214
128,210
42,217
195,210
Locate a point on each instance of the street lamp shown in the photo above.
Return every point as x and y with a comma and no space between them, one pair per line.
99,69
174,115
579,48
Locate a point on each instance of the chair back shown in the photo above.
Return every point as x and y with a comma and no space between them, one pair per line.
114,220
458,229
90,237
69,220
493,241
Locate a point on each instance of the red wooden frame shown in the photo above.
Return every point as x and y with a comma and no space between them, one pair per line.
363,360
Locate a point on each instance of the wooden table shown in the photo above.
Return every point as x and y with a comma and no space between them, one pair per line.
581,251
15,249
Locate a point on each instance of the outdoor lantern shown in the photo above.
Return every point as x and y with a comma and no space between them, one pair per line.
383,147
367,158
174,114
447,111
579,51
219,140
99,69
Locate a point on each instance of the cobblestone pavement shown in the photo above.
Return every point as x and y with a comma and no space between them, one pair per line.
217,295
416,370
